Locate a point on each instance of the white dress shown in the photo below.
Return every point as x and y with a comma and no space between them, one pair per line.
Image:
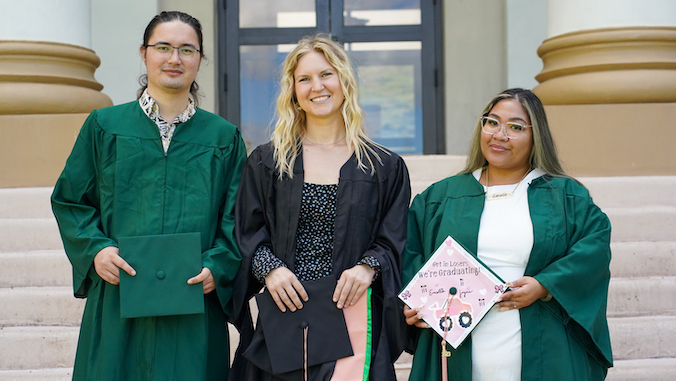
504,245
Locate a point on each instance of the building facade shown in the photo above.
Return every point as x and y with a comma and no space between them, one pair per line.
606,70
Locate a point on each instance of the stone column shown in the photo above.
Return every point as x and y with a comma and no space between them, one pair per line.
609,83
47,87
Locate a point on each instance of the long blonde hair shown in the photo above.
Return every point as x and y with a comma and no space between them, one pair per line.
543,156
291,120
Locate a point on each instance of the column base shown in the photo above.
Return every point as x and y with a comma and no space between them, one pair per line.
34,148
48,78
615,139
612,65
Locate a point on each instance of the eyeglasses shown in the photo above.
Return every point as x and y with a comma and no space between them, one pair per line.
511,130
186,51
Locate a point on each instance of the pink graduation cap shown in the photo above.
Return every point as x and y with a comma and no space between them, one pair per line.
455,289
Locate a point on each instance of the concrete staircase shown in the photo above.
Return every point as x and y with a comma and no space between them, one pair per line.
642,295
39,317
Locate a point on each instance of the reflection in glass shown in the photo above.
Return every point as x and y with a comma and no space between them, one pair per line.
277,14
259,87
382,12
389,78
390,92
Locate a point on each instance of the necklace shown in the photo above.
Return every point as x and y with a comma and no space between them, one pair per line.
501,195
324,144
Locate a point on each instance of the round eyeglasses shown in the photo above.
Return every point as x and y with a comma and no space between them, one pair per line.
186,51
511,130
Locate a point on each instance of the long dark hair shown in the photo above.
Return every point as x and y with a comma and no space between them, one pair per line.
167,17
544,155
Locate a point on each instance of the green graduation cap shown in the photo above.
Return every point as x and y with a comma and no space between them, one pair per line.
163,265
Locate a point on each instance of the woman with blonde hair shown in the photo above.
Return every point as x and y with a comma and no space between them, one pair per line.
322,200
514,207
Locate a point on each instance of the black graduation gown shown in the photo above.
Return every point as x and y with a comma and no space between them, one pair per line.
371,214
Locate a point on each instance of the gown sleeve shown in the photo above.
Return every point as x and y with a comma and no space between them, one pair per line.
414,257
75,204
252,217
578,280
390,235
223,258
387,248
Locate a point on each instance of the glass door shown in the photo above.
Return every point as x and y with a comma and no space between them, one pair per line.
388,41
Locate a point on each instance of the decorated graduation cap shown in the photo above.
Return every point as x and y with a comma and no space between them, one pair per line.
163,265
316,333
455,290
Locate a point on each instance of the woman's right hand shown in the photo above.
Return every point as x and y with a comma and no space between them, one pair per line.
413,318
285,289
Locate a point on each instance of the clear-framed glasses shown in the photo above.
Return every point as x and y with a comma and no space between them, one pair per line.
511,130
186,51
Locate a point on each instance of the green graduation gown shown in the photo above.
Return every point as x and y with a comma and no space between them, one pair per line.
564,339
118,182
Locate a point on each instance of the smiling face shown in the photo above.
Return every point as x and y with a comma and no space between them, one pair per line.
171,73
501,152
317,87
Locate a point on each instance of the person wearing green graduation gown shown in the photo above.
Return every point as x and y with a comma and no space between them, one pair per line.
564,331
126,177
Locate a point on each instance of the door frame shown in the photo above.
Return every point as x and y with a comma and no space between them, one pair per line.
429,32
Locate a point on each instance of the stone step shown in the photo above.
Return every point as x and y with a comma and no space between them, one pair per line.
37,347
633,339
608,192
402,367
638,343
641,296
642,224
652,224
51,374
26,203
29,234
432,168
52,268
643,337
52,347
35,268
638,259
652,369
633,191
46,306
40,306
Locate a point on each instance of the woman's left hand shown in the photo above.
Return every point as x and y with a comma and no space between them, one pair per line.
206,278
352,284
524,292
